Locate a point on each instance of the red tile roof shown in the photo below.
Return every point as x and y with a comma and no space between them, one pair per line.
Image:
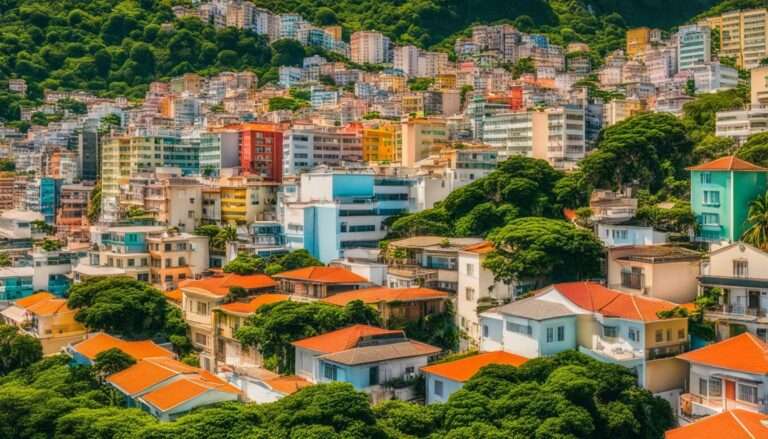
481,249
219,285
744,353
732,424
380,294
287,384
463,369
33,299
728,163
139,350
49,307
323,275
254,304
341,339
610,303
173,295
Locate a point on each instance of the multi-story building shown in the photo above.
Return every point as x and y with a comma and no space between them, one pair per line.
336,210
7,181
557,135
175,257
380,142
743,35
319,282
368,47
740,124
201,298
639,40
309,146
43,195
47,318
694,46
610,326
620,109
759,87
219,149
72,217
261,150
721,192
18,231
712,77
244,199
175,202
16,282
421,137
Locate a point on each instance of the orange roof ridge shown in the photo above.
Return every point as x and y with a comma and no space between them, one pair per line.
727,163
741,424
465,368
743,352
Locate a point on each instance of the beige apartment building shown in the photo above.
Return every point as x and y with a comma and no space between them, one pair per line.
743,35
421,138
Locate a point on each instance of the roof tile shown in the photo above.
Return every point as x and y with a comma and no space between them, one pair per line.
610,303
325,275
744,352
139,350
465,368
733,424
381,294
727,163
341,339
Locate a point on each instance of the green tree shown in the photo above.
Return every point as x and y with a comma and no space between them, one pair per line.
245,264
5,260
112,361
119,305
755,149
94,204
543,250
103,423
17,350
757,218
287,52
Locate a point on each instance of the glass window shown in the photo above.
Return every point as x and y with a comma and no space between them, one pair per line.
740,268
560,333
485,330
550,335
712,198
747,393
703,386
680,334
470,294
610,331
715,388
659,336
330,372
634,334
710,219
520,329
438,390
470,269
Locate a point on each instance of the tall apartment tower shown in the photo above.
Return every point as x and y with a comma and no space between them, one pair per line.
368,47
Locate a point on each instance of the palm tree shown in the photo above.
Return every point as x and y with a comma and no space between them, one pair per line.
757,217
227,234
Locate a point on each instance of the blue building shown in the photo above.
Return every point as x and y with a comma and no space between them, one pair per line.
43,195
16,282
335,210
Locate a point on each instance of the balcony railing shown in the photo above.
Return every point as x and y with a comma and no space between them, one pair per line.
741,310
666,351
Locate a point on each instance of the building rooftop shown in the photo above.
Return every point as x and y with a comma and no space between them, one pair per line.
22,215
147,373
744,352
534,309
323,275
254,304
25,302
482,248
345,338
219,284
657,254
49,307
17,272
611,303
382,352
728,163
185,389
288,384
101,342
731,424
436,243
465,368
381,294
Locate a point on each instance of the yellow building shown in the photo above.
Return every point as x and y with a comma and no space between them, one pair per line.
743,35
759,86
446,81
412,103
175,257
334,31
637,41
246,199
421,137
379,143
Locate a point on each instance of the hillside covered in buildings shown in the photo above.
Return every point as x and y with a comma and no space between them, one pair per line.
383,219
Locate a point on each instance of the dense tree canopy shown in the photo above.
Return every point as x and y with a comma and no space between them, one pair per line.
244,264
17,350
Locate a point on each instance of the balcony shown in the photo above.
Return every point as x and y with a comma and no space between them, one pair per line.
660,352
739,312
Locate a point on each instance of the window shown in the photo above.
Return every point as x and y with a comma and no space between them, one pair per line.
659,336
438,390
520,329
610,331
550,335
201,339
747,393
202,308
470,270
680,334
410,370
469,292
561,333
330,372
706,177
131,262
711,198
740,268
634,334
715,388
762,333
373,376
485,330
343,227
703,386
710,219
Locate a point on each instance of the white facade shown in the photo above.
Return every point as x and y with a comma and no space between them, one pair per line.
368,47
713,77
614,235
694,46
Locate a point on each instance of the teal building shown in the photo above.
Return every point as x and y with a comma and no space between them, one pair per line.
721,192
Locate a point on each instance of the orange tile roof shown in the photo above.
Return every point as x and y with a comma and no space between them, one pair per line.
728,163
33,299
288,384
186,389
465,368
139,350
341,339
744,352
324,275
481,249
610,303
173,295
219,285
380,294
148,373
255,303
49,307
732,424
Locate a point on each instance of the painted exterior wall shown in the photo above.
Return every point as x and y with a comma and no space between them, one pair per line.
699,372
673,281
531,346
449,387
615,235
359,375
665,374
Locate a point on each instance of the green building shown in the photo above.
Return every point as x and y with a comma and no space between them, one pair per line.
721,192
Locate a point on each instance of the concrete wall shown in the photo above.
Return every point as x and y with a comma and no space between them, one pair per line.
449,388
